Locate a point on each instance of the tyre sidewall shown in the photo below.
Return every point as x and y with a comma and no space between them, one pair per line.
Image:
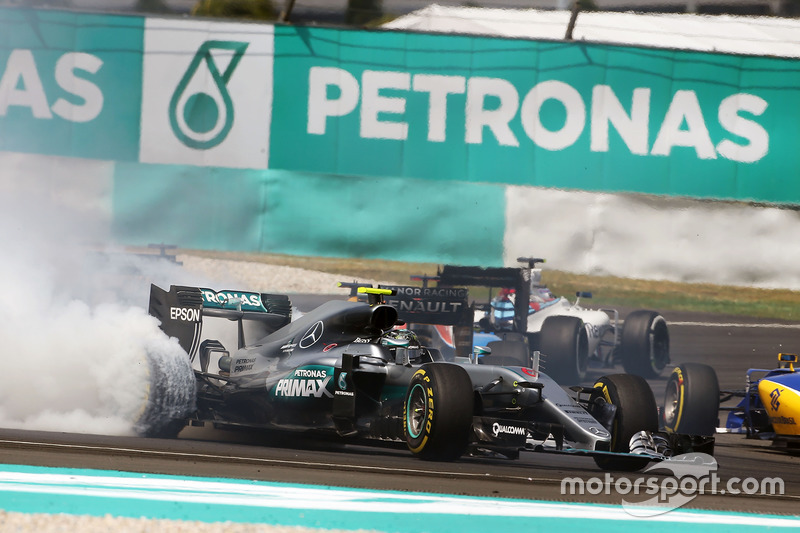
420,382
561,341
677,383
446,394
641,355
697,407
636,411
170,398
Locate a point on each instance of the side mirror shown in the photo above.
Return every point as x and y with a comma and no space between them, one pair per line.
478,351
787,360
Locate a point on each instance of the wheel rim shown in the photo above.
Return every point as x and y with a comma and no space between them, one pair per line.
416,411
659,346
671,399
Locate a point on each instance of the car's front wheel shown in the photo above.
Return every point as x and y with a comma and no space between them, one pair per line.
437,412
636,411
691,400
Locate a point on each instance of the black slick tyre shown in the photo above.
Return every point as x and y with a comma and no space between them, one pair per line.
636,411
645,344
437,412
564,344
691,400
170,397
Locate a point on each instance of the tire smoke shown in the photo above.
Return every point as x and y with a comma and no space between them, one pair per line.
78,344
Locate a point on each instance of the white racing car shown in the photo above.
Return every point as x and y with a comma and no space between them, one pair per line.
568,335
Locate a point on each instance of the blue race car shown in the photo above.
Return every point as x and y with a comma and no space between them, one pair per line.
767,408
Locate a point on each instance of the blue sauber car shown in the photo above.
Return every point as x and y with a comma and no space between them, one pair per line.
767,408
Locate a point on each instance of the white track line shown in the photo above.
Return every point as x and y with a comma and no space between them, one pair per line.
267,495
735,325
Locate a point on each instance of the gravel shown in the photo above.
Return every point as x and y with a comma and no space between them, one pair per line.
261,277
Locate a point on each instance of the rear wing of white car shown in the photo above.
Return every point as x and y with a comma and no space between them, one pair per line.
493,277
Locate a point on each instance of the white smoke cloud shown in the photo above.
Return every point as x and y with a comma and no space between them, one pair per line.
630,236
75,334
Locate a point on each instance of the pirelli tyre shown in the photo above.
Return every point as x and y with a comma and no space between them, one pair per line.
691,400
644,344
169,398
437,412
636,411
564,345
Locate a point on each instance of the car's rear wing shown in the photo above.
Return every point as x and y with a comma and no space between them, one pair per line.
429,306
181,311
499,277
426,308
446,306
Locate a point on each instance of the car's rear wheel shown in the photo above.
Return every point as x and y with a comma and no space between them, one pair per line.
170,396
645,344
691,400
636,411
564,345
437,412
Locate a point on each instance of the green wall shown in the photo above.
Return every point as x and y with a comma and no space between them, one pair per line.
71,84
566,115
380,144
309,214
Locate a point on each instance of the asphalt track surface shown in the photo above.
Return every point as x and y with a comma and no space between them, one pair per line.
730,344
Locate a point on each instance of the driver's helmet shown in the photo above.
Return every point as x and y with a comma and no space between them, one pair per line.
542,294
546,293
505,295
401,337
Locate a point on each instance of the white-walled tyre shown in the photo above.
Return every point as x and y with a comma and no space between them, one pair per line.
645,344
564,344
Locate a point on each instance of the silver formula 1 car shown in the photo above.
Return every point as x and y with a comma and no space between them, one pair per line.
349,370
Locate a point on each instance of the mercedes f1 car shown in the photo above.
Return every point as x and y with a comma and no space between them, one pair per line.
346,371
568,335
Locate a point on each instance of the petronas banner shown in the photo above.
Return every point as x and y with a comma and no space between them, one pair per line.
70,84
207,93
369,104
552,114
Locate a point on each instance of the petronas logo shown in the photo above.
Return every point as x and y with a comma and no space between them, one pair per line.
201,115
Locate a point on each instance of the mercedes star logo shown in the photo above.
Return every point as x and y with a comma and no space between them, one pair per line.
312,335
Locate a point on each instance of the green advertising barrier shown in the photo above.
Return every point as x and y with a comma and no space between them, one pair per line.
568,115
357,143
70,84
193,207
309,214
